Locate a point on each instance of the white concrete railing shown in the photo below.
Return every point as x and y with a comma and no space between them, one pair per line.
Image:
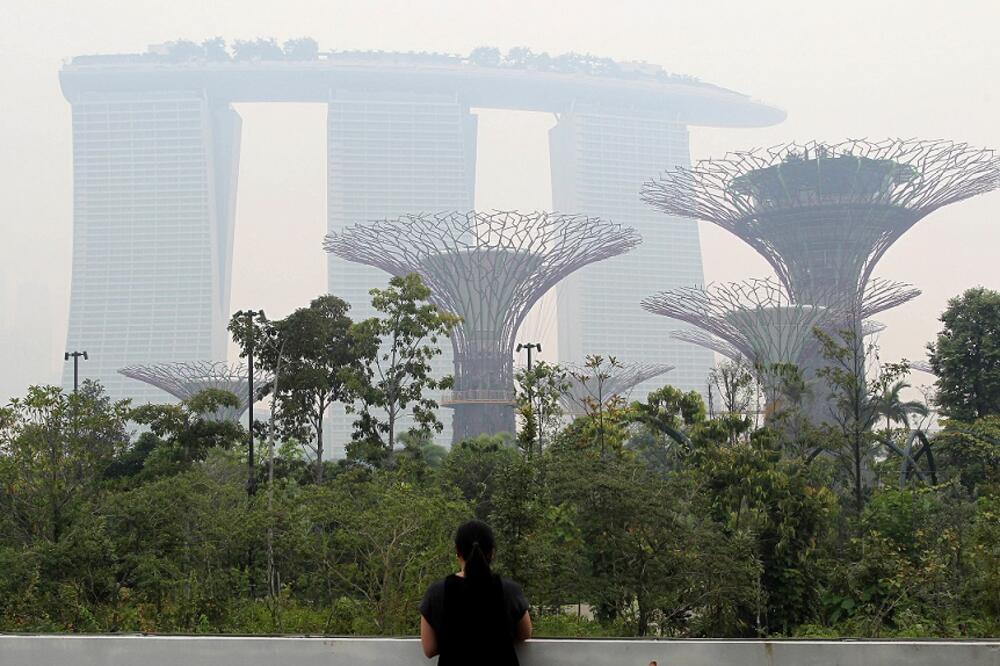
76,650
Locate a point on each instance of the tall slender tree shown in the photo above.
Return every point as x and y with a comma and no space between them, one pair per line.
397,347
858,383
539,396
318,355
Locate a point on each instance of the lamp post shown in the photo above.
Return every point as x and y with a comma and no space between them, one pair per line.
76,366
249,315
529,346
531,397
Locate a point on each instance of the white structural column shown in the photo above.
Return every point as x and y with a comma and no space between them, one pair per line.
390,154
600,158
154,205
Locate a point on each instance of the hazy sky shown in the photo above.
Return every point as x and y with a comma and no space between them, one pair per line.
858,68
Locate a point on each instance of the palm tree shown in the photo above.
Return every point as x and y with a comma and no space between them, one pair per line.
895,409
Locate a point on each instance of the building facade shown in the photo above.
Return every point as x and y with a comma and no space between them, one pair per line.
600,157
390,154
156,153
153,208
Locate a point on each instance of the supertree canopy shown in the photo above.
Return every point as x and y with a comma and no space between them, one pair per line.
823,214
488,268
614,381
186,379
757,319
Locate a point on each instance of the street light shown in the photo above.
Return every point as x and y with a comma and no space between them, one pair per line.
249,315
76,366
529,346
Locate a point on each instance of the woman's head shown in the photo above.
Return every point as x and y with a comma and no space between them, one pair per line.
474,543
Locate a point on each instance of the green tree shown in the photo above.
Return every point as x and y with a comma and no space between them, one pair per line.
903,574
54,451
672,428
216,50
398,347
183,49
894,409
318,357
788,398
785,508
983,583
420,448
966,356
542,546
59,586
629,533
672,412
857,385
539,402
254,333
180,545
970,452
184,433
736,388
486,56
475,466
303,48
605,412
257,49
390,539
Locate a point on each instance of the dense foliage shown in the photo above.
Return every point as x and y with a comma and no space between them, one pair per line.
966,356
302,49
646,518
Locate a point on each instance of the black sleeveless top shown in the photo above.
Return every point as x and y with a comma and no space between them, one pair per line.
474,624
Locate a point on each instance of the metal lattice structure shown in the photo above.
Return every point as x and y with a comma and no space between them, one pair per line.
880,295
620,381
871,327
823,214
488,268
696,336
719,346
755,318
758,321
184,380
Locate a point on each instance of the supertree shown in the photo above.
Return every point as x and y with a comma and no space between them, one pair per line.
614,380
705,339
186,379
823,214
488,268
759,321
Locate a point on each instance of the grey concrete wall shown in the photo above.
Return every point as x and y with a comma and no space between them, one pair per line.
23,650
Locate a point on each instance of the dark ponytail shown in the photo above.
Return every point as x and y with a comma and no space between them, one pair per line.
474,542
